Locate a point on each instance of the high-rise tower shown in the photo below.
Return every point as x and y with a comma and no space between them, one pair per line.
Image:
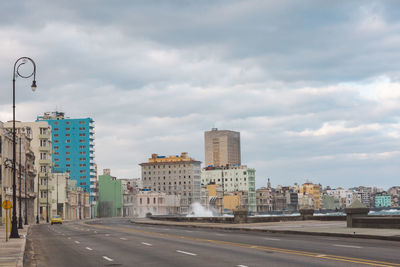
73,147
222,147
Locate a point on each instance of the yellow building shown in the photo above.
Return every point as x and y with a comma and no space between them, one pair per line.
212,190
231,202
314,190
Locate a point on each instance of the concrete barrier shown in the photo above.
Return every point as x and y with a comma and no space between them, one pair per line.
376,222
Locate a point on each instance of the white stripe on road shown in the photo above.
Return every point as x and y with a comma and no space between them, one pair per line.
187,253
107,234
107,258
147,244
220,234
69,237
77,242
88,248
123,238
273,239
346,246
240,265
188,231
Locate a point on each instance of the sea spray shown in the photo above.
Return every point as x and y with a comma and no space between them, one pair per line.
197,210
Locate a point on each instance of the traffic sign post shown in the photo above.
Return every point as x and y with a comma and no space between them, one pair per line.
7,205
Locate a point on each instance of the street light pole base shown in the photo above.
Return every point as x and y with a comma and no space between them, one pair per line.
20,223
14,231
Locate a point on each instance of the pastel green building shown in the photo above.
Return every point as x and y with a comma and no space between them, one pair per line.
110,196
383,201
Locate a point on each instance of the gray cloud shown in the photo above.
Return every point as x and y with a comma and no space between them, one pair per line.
312,86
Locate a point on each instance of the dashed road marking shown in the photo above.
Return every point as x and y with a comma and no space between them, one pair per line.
320,256
346,246
69,237
187,253
240,265
220,234
147,244
123,238
272,239
88,248
77,242
107,234
107,258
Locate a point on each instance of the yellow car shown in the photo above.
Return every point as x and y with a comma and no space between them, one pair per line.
56,219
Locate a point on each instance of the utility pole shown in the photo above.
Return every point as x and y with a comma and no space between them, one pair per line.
57,193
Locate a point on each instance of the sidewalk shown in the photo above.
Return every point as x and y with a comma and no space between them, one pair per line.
12,252
311,227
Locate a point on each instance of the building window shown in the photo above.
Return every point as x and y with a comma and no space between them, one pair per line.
55,135
67,141
56,141
67,153
55,147
67,147
67,135
68,159
67,129
81,122
67,165
55,129
68,123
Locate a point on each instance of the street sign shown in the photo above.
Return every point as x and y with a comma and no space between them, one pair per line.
7,204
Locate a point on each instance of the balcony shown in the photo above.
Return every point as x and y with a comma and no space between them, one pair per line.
91,161
93,179
92,186
44,187
45,161
45,148
44,136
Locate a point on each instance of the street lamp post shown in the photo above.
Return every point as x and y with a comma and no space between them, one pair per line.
37,199
26,197
47,195
20,182
21,61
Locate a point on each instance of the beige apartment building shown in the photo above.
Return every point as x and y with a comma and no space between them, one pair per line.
25,171
41,146
222,147
173,175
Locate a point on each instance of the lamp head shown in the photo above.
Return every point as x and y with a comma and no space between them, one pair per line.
33,86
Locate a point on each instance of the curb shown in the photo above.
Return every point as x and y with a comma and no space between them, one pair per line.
387,238
20,261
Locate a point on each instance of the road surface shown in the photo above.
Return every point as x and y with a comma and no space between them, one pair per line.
117,242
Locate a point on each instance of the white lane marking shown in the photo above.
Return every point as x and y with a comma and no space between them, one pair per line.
240,265
69,237
77,242
273,239
147,244
88,248
188,231
187,253
321,255
107,234
123,238
346,246
95,232
107,258
220,234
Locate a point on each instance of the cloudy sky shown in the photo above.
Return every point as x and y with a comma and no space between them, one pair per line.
313,86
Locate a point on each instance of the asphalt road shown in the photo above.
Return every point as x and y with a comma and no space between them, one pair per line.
117,242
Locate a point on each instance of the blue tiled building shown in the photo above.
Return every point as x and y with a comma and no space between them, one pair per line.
73,148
